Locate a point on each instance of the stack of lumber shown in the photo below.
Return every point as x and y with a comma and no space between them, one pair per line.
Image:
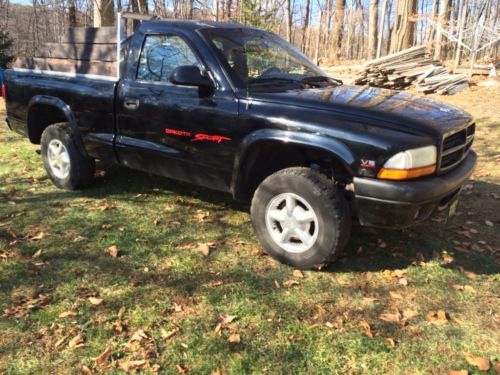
82,50
412,66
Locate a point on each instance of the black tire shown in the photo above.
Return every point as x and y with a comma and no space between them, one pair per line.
81,168
329,207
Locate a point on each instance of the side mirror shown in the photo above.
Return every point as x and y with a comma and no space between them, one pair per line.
190,75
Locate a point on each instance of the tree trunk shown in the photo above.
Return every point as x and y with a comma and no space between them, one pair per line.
372,29
443,16
72,13
389,27
288,21
318,36
104,13
463,17
403,32
434,16
306,25
338,20
381,28
326,32
215,10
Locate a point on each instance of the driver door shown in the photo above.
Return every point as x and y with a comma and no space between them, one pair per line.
158,122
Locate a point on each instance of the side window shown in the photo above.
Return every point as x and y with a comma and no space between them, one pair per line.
163,53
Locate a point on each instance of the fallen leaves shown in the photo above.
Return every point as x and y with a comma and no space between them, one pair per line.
202,247
395,295
399,317
37,237
131,364
103,357
165,335
298,274
397,275
437,318
390,317
234,338
366,328
67,314
76,341
223,321
96,301
24,305
111,251
465,288
481,363
290,283
390,341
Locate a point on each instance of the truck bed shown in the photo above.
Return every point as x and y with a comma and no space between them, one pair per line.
91,99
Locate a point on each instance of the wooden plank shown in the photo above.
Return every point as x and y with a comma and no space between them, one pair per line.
68,66
92,35
87,52
475,71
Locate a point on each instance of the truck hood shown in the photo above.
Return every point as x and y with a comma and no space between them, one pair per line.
393,109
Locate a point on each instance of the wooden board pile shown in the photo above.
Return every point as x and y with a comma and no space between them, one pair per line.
82,50
412,66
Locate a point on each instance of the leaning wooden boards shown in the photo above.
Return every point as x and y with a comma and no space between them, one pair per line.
82,50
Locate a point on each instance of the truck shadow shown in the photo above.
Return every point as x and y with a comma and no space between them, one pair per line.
464,243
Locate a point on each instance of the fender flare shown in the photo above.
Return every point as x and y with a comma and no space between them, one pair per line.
65,109
308,140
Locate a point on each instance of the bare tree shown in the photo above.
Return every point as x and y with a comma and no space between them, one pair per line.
306,26
403,32
72,13
338,27
462,18
443,16
372,29
104,13
381,27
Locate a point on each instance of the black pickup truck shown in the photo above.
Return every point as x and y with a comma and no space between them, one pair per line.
239,110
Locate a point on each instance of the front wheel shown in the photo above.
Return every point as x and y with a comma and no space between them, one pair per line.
300,217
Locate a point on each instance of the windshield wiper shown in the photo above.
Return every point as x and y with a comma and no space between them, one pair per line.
313,79
271,79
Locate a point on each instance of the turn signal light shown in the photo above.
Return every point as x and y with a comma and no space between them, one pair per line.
405,174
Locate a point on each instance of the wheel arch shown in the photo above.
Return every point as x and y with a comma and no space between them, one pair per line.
261,154
47,110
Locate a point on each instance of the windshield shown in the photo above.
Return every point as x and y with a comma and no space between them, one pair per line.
257,58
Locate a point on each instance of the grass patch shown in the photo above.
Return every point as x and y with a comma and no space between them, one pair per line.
165,304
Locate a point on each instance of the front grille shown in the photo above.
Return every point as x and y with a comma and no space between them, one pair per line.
455,147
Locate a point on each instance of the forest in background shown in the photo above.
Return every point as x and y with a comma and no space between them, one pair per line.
328,31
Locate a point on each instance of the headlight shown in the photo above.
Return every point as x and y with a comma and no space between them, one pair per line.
410,164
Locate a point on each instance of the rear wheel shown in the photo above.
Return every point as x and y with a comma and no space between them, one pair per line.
64,163
300,217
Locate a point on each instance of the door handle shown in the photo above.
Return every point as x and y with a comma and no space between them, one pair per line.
131,104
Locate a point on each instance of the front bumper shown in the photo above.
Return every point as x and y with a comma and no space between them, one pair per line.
400,204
